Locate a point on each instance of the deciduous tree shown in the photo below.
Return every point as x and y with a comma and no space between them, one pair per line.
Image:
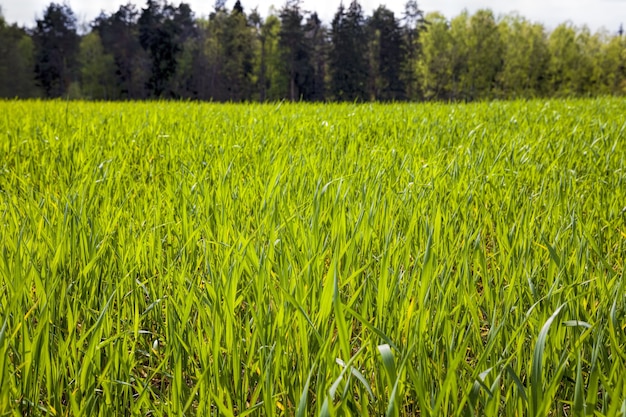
484,55
17,76
436,62
97,69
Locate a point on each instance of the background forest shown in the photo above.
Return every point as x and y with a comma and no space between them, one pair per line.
165,51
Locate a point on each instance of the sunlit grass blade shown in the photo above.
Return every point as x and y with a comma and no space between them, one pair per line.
536,375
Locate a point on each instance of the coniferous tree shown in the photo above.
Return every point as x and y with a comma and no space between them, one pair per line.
163,51
119,34
213,52
56,48
387,56
260,64
228,40
184,82
348,57
192,78
237,43
296,52
317,36
163,30
228,51
414,25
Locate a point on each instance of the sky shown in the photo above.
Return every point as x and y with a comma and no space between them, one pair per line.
596,14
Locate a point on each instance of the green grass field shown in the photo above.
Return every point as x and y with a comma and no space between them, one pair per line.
165,259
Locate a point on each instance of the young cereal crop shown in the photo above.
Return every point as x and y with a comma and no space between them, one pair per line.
168,259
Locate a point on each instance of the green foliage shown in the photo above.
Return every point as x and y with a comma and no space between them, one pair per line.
17,75
485,55
475,57
275,82
199,259
459,31
164,51
229,42
435,65
565,57
97,68
525,58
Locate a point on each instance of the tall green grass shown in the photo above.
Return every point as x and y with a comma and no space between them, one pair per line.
168,259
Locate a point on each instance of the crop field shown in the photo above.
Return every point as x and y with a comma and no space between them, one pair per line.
167,259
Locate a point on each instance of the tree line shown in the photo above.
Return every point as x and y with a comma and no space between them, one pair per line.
165,51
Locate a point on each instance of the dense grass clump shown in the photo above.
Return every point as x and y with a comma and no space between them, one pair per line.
197,259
